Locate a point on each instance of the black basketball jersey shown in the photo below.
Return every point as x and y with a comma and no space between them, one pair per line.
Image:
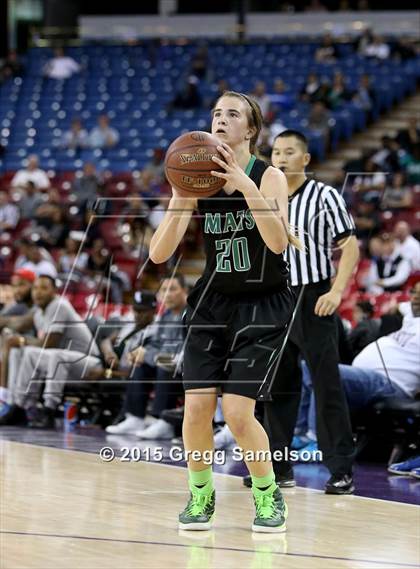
238,262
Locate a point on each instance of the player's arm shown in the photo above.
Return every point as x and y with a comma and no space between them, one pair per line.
172,228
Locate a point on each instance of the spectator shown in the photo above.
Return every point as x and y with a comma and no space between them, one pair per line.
30,201
374,248
103,135
126,336
77,137
311,89
268,133
365,39
63,350
140,233
11,66
364,96
338,93
409,137
411,164
372,180
200,62
85,186
387,158
410,467
24,245
35,261
22,281
390,271
221,86
377,49
366,326
407,245
31,174
281,99
395,355
387,367
368,329
188,97
398,195
104,274
72,263
61,66
319,119
93,225
148,187
9,213
259,94
327,51
156,166
153,362
51,225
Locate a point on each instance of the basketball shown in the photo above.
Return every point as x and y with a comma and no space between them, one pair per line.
188,164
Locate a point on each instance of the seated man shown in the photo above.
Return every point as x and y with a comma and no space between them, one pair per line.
64,350
156,365
127,336
388,367
390,271
21,281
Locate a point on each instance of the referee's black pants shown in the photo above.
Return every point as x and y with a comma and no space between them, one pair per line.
315,338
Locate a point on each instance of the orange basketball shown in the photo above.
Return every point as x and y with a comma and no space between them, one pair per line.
188,164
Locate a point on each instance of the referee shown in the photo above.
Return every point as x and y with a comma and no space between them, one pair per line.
319,215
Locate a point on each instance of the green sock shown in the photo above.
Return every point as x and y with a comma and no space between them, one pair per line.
263,483
201,480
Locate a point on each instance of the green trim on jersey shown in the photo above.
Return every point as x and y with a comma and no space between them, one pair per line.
250,164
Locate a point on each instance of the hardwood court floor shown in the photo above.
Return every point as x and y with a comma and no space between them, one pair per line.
66,509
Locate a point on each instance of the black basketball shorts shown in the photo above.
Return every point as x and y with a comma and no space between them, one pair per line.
229,341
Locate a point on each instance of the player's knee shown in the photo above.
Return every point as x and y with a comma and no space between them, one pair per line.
237,422
198,413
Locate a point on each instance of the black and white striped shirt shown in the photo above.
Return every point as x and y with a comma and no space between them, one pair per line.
320,217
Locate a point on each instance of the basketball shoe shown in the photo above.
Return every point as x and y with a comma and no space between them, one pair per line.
270,510
198,513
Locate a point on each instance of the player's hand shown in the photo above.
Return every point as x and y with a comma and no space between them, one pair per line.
136,357
328,303
235,177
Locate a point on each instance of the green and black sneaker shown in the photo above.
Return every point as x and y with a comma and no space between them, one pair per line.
198,514
271,511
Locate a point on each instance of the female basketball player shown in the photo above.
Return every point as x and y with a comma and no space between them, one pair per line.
236,312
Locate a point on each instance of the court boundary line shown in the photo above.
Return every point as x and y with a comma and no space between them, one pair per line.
211,548
347,497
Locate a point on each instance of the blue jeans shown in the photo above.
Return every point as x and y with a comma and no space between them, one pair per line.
362,387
